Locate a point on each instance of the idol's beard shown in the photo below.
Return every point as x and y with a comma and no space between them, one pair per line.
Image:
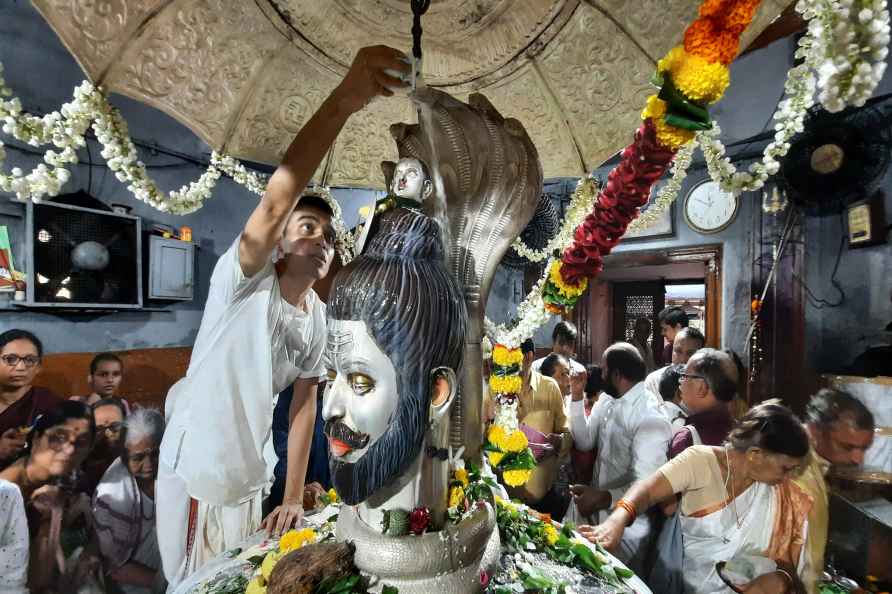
383,462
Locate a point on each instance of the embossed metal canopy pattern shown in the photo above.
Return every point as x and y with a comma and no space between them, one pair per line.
246,74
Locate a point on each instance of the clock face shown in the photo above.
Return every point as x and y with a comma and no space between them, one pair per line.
709,209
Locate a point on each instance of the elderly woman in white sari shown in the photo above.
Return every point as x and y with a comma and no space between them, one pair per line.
124,509
737,506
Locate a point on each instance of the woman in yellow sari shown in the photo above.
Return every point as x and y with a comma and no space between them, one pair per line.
737,506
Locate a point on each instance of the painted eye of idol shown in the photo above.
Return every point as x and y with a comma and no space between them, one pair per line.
361,383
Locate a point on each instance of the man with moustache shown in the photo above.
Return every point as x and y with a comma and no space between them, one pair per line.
631,436
263,328
841,430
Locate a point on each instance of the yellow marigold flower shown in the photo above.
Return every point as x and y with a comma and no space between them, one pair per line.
456,496
516,478
698,79
496,436
256,586
495,457
510,384
655,108
295,539
571,291
502,355
333,495
671,137
551,534
461,475
269,563
516,442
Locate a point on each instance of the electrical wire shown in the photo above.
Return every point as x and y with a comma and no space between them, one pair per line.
817,302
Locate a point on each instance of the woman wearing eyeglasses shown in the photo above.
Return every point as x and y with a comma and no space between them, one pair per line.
124,508
743,522
20,401
56,446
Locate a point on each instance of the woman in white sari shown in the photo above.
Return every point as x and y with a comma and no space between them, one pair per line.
737,506
124,509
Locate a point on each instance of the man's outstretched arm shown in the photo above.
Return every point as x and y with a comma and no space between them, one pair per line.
364,81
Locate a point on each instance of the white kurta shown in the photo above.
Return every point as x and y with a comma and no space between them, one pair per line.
14,544
632,437
250,346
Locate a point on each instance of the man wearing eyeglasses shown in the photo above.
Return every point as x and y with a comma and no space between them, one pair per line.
20,401
708,383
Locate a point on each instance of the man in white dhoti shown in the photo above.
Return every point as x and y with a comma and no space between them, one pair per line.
263,328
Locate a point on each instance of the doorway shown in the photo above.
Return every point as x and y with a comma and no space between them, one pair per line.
640,284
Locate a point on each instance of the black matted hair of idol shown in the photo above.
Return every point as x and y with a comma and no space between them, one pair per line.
415,312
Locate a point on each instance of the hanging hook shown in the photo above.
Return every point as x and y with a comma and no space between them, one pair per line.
419,7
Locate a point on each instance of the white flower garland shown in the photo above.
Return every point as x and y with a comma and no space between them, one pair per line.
67,128
669,192
581,204
531,314
846,45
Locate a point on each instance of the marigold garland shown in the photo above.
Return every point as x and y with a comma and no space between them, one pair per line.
505,357
516,442
698,79
505,385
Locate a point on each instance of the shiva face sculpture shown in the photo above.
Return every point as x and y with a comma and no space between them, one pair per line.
411,180
396,317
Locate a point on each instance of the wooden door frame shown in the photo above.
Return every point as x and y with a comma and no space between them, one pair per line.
711,258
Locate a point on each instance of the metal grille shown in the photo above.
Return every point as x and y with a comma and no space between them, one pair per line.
57,234
638,306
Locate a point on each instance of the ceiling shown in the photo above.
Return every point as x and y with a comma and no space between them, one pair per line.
244,75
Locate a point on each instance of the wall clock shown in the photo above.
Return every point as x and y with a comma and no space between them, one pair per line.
709,209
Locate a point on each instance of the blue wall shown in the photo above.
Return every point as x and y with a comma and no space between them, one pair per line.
43,74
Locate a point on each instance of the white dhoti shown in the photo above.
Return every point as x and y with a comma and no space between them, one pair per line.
208,529
251,345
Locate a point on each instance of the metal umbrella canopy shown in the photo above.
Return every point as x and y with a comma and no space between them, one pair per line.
245,75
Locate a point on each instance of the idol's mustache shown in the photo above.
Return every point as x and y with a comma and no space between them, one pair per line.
343,433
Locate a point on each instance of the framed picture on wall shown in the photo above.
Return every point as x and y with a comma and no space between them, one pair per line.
664,226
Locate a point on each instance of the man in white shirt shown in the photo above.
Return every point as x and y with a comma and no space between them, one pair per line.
631,436
263,328
563,342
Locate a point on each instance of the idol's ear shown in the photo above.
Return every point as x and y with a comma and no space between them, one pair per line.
427,189
444,387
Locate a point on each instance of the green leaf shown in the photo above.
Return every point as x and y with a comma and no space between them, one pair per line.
256,560
389,590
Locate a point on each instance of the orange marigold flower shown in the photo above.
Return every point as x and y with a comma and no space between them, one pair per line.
714,8
740,15
705,40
